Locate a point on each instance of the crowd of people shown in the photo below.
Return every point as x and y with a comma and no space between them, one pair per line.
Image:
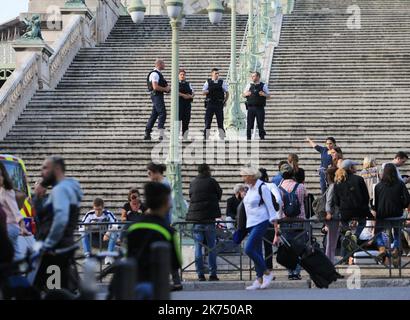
365,207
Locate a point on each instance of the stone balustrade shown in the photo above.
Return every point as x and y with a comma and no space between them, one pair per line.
41,66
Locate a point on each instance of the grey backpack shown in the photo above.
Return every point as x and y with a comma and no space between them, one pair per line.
319,207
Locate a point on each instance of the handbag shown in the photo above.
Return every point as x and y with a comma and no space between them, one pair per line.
241,231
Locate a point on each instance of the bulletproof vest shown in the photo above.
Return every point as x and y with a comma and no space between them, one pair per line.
216,93
184,87
162,83
46,222
255,99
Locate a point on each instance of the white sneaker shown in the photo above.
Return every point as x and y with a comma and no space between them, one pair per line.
267,279
408,254
255,286
108,260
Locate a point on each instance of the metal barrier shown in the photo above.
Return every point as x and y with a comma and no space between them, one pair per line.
241,265
309,228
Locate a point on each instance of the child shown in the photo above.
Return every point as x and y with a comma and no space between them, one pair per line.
153,227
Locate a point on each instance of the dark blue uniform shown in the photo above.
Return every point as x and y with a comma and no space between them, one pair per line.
256,109
158,105
215,106
185,106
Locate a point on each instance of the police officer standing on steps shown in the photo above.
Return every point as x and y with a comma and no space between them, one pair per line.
186,96
216,92
157,85
256,94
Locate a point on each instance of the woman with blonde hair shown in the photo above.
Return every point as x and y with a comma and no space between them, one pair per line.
370,174
350,195
260,213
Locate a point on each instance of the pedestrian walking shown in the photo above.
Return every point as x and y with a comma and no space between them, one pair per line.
256,93
157,86
216,91
205,194
260,214
60,222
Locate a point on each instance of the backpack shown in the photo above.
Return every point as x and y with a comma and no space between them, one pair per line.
319,207
261,202
291,205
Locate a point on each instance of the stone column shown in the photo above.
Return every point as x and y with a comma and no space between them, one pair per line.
24,47
72,9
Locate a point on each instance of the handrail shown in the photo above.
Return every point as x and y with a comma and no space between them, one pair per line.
63,47
16,92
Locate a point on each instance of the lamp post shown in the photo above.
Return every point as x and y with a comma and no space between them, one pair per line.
136,9
174,10
177,20
234,117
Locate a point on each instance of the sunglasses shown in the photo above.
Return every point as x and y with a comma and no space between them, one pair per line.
134,197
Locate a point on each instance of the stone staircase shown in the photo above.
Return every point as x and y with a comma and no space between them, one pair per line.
96,116
326,80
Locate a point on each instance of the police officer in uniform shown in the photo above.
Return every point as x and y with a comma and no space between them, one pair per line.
216,92
157,85
256,94
186,96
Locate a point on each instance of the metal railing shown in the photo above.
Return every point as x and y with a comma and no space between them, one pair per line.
233,261
242,264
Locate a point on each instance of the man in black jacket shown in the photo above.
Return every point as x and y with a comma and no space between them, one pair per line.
205,194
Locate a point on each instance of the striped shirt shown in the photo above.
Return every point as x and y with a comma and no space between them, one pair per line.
91,217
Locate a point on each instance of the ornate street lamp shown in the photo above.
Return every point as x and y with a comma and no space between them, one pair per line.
215,11
174,10
234,117
136,9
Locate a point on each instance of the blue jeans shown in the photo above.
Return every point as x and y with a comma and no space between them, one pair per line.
202,232
253,247
13,231
86,241
323,182
388,224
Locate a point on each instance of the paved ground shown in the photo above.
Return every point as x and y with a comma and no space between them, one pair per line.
396,293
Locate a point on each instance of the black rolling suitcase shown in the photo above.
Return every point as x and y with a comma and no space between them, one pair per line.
311,258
